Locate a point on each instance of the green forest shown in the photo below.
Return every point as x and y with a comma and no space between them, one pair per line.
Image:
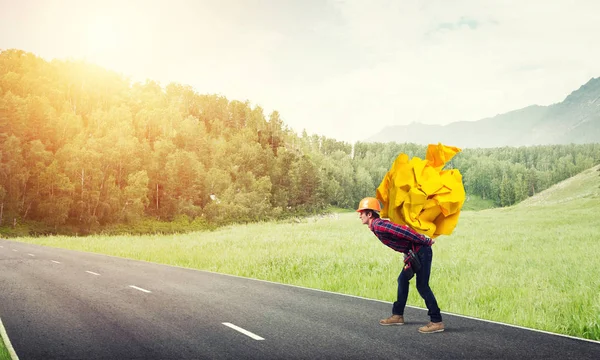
84,150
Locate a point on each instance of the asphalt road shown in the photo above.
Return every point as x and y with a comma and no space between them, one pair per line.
63,304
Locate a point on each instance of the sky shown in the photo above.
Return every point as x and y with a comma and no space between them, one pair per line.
340,69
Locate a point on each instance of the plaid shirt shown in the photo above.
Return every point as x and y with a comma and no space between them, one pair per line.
398,237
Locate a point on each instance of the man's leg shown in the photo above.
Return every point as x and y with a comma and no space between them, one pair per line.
400,303
397,317
426,256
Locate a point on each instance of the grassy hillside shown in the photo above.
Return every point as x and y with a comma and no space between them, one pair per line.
575,191
534,264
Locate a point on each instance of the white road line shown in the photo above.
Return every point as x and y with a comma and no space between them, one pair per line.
15,250
140,289
243,331
56,262
31,255
93,273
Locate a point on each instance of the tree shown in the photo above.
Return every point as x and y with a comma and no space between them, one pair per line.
13,176
156,165
364,183
135,196
82,164
13,115
36,159
506,191
185,182
56,195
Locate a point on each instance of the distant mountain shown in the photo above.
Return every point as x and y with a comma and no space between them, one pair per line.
574,120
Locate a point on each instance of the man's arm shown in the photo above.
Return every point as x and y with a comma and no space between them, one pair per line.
405,232
420,238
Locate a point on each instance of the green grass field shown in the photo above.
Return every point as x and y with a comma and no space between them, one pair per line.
4,353
533,265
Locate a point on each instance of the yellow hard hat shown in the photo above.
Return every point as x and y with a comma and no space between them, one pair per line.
369,203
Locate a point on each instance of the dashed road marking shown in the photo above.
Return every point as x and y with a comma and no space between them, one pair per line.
139,288
56,262
31,255
15,250
93,273
243,331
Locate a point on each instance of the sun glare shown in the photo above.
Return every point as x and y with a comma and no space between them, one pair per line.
102,38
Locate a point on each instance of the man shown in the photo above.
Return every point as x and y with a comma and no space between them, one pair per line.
402,238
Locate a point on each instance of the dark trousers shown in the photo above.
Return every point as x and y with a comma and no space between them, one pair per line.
425,255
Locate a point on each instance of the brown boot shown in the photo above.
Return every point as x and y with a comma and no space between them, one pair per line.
393,320
432,328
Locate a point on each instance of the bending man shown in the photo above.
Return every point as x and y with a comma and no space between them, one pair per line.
402,238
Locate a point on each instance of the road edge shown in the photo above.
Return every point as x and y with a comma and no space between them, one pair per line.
4,335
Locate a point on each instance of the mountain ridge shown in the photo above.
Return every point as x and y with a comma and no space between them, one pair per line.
576,119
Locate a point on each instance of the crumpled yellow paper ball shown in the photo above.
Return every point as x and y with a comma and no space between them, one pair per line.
418,193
